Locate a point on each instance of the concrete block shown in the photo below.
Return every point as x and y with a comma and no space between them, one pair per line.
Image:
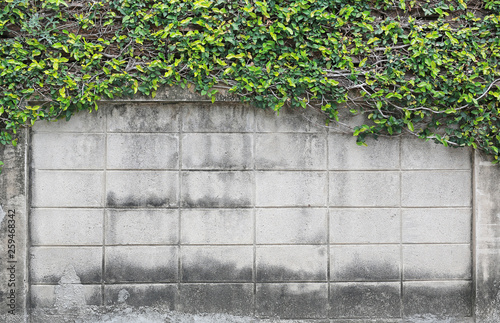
345,154
135,117
235,299
426,262
290,120
292,300
142,227
141,264
444,299
217,264
364,189
217,151
437,225
419,154
48,264
66,227
199,117
45,296
68,151
67,189
80,122
436,188
217,189
365,300
217,226
291,263
304,225
143,151
365,263
159,295
365,225
283,151
291,188
487,177
142,188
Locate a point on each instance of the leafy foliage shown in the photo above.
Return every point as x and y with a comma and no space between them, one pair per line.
429,67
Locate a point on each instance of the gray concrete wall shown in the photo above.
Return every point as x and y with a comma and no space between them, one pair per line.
229,210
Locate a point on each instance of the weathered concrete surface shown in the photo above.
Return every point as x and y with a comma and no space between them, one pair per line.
14,231
487,238
172,210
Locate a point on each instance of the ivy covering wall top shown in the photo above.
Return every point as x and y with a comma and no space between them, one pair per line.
429,68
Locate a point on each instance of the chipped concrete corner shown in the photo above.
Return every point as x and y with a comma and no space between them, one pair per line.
178,210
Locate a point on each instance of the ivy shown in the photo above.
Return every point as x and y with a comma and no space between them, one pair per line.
424,67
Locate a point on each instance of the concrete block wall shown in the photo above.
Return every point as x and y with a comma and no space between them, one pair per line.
228,209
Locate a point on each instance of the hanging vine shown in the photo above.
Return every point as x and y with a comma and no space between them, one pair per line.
428,68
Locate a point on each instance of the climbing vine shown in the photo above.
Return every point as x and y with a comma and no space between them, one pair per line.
428,68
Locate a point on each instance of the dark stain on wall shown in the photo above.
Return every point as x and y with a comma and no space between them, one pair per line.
209,270
160,295
447,299
210,201
279,273
123,272
365,300
360,270
235,299
131,201
292,300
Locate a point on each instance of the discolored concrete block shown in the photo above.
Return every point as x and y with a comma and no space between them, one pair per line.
437,225
291,225
66,226
217,189
367,300
141,264
47,264
427,262
419,154
381,153
365,263
217,151
45,296
365,225
67,189
142,151
200,117
292,300
290,188
68,151
162,296
217,264
142,227
436,188
291,263
216,226
136,117
80,122
440,298
235,299
364,189
141,188
290,120
273,151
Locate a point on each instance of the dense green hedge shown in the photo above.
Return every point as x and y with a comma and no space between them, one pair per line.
427,67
